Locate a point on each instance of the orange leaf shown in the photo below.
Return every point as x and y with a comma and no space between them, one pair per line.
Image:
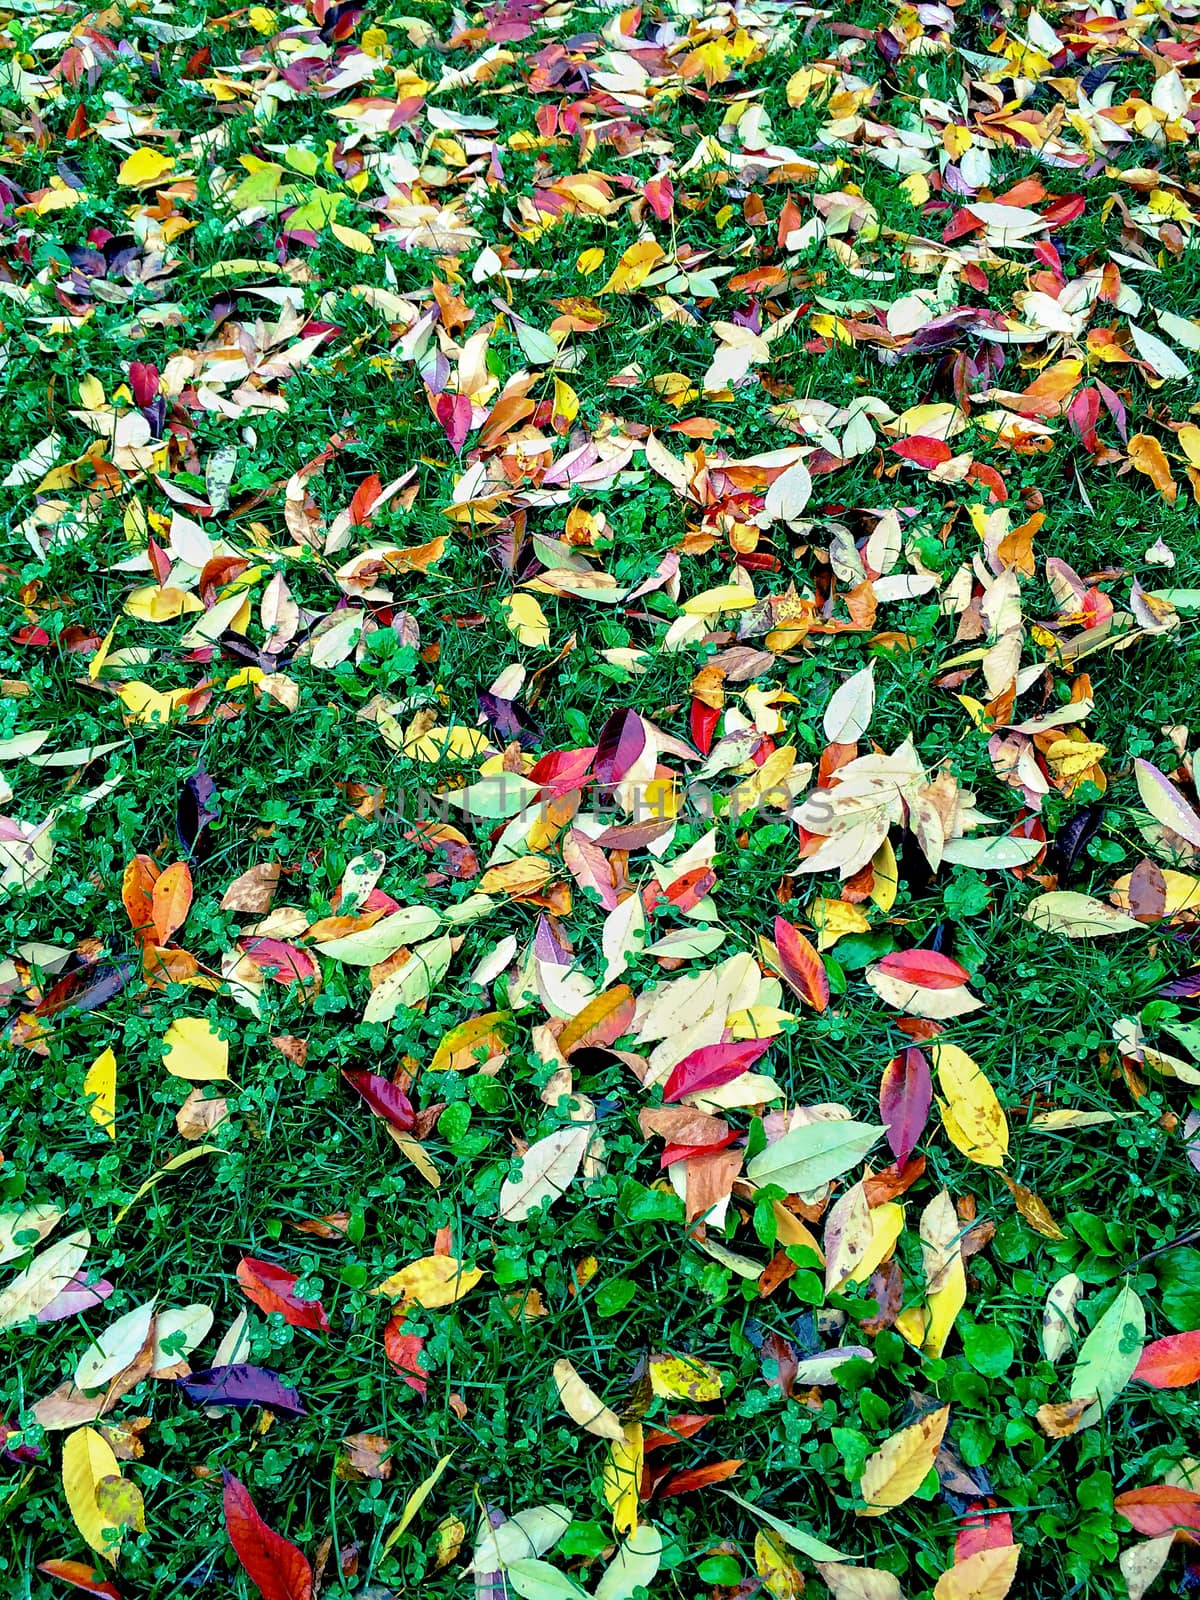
1146,455
171,900
601,1022
137,896
803,970
699,1477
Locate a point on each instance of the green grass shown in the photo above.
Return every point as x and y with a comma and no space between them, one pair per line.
296,1145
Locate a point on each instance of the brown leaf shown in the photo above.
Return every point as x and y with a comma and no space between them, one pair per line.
253,892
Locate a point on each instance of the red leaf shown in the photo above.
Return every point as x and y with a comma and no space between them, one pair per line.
143,381
981,1528
1159,1507
699,1477
803,970
270,1288
382,1095
454,412
713,1065
274,1565
684,1152
923,452
404,1352
905,1095
1172,1362
928,969
689,889
702,720
81,1575
562,771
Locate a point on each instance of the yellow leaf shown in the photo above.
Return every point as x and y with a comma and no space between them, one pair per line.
151,603
726,597
524,617
91,392
416,1500
684,1378
145,704
262,20
566,401
466,1046
145,166
945,1274
987,1575
433,1281
777,1567
96,664
100,1081
445,744
589,261
183,1159
901,1464
623,1477
887,1224
634,267
195,1051
1188,439
415,1152
87,1458
833,919
885,878
353,238
971,1114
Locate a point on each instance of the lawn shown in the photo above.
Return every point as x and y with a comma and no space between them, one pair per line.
600,853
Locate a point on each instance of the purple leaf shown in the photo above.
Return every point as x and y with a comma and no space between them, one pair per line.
905,1095
510,719
622,740
195,812
242,1385
1182,988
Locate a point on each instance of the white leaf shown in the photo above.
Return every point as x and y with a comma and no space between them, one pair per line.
538,1580
426,966
1158,355
848,713
44,1279
1165,803
787,497
992,855
530,1533
634,1566
547,1170
1059,1322
116,1348
1182,329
